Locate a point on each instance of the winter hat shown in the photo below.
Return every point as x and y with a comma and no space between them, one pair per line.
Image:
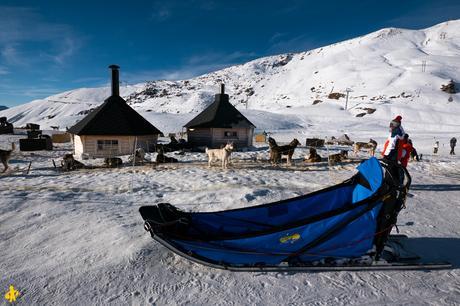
395,123
398,118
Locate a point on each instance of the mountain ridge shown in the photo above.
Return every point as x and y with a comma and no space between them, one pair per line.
387,71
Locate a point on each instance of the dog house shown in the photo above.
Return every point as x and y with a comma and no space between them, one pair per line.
113,129
219,124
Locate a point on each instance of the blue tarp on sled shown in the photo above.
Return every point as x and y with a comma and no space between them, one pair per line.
336,222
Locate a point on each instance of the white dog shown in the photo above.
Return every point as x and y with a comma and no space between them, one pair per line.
220,154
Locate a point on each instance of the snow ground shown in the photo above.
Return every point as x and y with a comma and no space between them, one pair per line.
77,238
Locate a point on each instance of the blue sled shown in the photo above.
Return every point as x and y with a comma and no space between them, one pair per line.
341,223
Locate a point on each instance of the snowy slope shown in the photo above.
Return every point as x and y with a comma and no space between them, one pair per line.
383,69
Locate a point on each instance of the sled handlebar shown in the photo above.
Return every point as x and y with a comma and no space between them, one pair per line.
388,165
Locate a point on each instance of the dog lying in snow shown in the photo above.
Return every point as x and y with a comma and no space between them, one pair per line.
337,158
277,152
371,145
113,162
161,159
313,157
220,154
5,156
68,163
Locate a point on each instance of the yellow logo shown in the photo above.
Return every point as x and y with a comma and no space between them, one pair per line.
290,238
11,295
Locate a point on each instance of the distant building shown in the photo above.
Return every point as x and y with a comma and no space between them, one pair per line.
220,123
113,129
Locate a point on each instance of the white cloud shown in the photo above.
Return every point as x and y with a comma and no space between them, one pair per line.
28,91
294,44
196,65
164,10
10,55
22,27
161,11
3,71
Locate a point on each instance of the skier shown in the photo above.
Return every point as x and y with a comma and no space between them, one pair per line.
406,150
436,147
453,143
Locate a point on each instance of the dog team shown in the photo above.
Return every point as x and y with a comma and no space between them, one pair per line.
397,147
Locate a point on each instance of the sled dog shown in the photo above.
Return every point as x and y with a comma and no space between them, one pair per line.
220,154
313,157
337,158
371,145
277,152
5,156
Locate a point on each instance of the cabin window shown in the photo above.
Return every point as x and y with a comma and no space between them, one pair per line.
107,145
230,134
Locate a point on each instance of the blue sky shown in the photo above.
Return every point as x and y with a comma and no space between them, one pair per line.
47,47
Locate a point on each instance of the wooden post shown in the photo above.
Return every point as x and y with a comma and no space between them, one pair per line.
28,168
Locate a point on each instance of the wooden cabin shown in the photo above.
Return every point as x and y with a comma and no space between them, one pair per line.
113,129
219,124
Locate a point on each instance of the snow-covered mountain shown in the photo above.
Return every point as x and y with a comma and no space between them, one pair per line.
391,71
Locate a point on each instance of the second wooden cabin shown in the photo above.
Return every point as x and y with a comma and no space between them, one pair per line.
219,124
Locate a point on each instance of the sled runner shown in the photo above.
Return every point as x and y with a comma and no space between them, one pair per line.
343,227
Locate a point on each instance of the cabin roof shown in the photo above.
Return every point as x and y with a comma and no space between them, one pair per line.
220,114
114,117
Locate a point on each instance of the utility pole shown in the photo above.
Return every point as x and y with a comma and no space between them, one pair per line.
348,90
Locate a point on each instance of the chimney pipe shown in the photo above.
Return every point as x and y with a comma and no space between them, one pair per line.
115,80
222,96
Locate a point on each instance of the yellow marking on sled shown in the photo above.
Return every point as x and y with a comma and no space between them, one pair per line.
290,238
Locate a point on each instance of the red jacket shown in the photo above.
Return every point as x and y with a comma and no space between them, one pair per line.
407,149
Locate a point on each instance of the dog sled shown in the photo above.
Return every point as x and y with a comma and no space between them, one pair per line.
342,227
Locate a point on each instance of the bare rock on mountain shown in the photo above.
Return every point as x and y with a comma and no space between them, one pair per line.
449,88
336,95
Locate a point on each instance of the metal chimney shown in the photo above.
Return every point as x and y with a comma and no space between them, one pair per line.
222,96
115,80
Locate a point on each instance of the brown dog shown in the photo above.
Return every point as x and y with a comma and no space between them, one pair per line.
277,152
161,159
313,157
271,144
371,146
337,158
68,163
5,156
